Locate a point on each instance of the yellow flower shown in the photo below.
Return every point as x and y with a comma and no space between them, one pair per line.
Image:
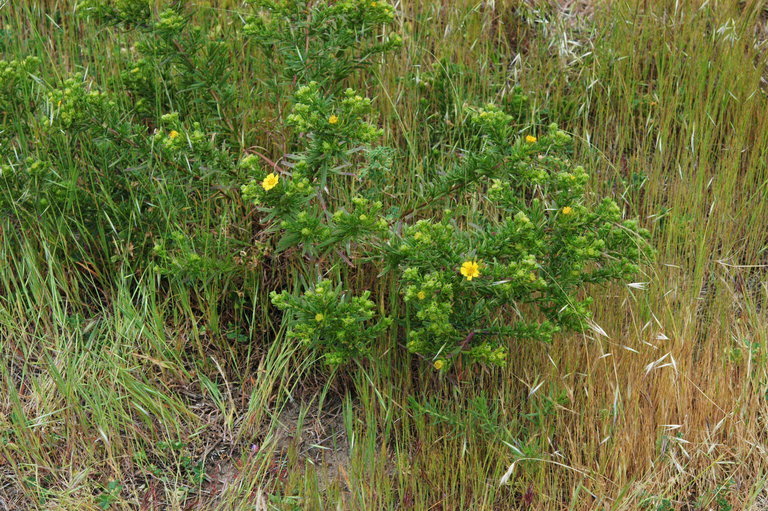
373,4
270,181
319,317
173,134
421,295
567,210
333,120
470,269
530,139
439,364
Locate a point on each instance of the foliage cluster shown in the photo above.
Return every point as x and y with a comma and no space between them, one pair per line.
500,246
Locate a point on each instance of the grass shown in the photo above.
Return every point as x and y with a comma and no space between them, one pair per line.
188,396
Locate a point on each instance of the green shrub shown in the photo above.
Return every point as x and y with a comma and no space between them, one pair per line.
499,244
334,136
130,12
174,64
329,318
471,284
13,74
520,269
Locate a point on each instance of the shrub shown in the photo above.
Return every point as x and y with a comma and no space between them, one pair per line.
174,65
502,242
333,133
13,74
329,318
129,12
520,269
470,284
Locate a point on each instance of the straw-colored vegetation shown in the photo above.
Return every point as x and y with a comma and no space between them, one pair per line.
229,283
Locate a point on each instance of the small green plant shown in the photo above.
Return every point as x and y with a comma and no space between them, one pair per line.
327,317
173,460
745,349
721,499
655,503
109,496
443,108
718,497
75,107
129,12
181,257
13,76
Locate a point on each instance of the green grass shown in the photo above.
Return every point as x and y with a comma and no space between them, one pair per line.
187,394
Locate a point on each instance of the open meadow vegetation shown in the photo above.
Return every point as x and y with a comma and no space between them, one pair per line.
376,254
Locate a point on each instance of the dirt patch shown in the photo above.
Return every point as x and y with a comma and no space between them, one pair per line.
318,437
